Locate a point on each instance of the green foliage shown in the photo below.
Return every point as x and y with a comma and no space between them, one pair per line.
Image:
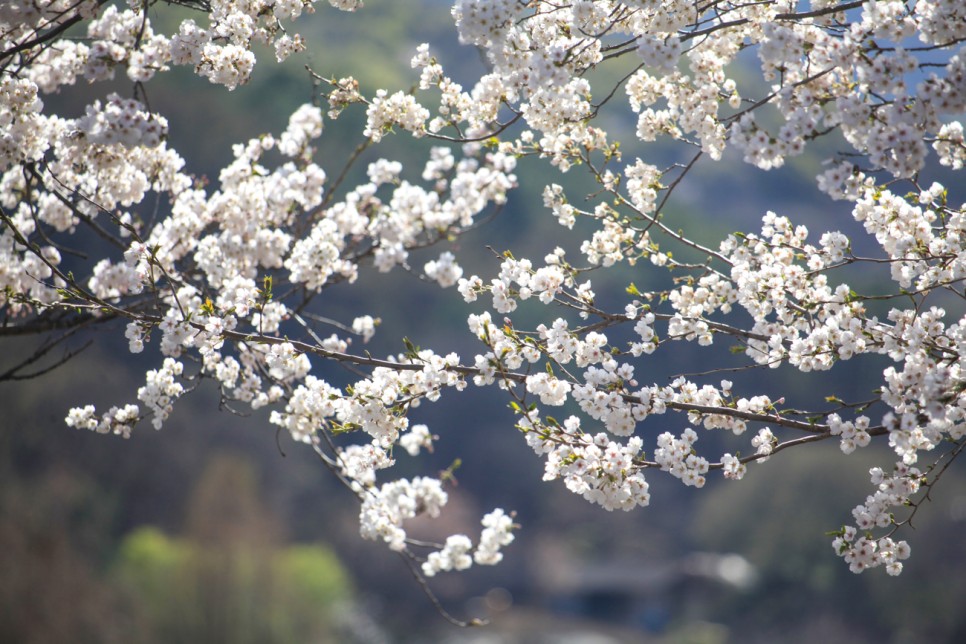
190,592
313,572
149,559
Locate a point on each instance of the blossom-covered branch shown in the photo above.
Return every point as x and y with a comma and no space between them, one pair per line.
101,223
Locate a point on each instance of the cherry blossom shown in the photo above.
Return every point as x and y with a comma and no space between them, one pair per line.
225,277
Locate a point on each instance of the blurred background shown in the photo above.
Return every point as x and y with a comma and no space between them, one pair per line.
217,529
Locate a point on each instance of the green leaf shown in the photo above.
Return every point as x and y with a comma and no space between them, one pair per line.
267,287
412,350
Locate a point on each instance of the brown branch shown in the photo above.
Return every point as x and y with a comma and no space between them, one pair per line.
51,34
41,351
421,581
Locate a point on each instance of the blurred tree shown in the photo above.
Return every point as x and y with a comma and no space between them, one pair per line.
230,579
51,589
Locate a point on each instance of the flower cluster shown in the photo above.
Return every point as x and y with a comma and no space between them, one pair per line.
399,109
118,421
456,553
856,544
384,509
122,121
601,470
161,390
23,137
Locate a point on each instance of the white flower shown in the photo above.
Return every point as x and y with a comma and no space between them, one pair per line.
444,270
